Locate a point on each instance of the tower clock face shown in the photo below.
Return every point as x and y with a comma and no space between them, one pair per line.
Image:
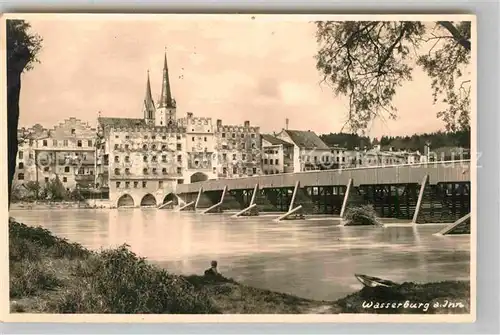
198,146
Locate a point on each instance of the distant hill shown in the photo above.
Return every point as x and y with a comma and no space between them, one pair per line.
413,142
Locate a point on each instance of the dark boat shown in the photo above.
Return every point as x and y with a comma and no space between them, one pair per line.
369,281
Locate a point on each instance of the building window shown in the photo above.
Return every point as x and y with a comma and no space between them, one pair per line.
179,146
65,179
244,170
46,179
164,158
145,170
265,160
235,170
254,170
20,153
234,157
20,176
118,184
153,137
145,147
154,159
54,143
89,143
242,135
163,147
66,169
73,131
153,147
277,162
65,143
253,145
145,158
116,146
178,137
136,183
205,139
145,137
233,135
179,170
165,137
117,159
79,143
154,170
127,171
223,135
44,143
253,135
224,156
144,184
224,170
127,184
192,138
164,170
127,146
127,137
46,169
127,159
179,158
21,165
117,171
160,184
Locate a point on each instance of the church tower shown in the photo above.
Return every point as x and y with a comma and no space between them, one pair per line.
149,105
166,111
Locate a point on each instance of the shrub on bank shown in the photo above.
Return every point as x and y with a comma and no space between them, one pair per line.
118,281
361,216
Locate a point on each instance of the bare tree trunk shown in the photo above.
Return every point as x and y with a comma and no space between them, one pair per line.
13,92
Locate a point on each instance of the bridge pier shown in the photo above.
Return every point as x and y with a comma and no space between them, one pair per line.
461,226
252,209
217,207
425,181
293,213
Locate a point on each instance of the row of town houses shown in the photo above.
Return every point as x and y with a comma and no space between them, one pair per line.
161,147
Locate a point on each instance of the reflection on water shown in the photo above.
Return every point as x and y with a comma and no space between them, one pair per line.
315,259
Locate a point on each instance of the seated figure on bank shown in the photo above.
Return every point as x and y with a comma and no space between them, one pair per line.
212,272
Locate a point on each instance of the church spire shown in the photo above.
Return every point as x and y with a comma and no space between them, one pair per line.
166,95
149,106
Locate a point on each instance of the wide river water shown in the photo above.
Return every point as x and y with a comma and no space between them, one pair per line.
315,258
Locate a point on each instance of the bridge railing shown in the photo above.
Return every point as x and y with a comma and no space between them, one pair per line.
443,171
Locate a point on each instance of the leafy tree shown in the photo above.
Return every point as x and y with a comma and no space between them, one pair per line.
32,188
56,190
367,61
22,48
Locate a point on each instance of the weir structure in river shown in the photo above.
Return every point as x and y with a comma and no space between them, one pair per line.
420,193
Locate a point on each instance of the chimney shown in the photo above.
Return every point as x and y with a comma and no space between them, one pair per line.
219,123
286,123
247,124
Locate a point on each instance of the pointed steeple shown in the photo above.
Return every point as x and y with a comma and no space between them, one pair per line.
166,94
149,105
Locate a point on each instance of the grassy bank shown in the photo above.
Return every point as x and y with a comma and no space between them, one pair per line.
52,275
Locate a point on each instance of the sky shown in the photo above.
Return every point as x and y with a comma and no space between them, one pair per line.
250,69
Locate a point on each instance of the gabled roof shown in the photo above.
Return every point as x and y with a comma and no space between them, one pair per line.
120,122
275,141
306,139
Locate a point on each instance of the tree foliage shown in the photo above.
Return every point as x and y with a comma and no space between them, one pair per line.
367,61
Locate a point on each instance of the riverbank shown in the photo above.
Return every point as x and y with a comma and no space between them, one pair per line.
54,205
51,275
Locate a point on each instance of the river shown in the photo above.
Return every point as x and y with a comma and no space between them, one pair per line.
315,258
